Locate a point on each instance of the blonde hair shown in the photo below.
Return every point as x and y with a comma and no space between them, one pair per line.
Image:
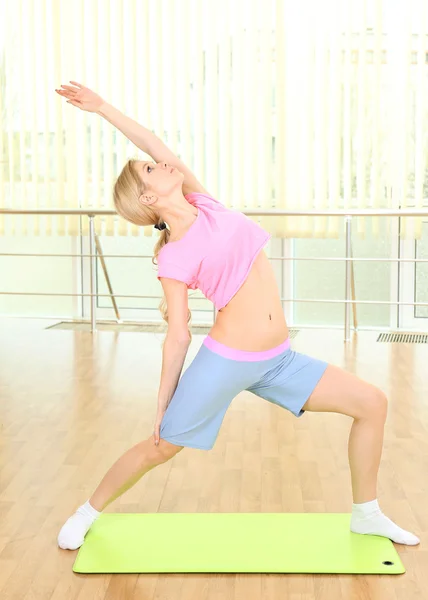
126,193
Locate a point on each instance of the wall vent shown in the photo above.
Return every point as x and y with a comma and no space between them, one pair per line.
403,338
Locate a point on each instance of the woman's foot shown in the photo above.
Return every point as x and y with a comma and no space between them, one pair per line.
367,518
72,534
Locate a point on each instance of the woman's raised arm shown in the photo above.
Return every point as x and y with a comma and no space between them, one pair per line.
85,99
152,145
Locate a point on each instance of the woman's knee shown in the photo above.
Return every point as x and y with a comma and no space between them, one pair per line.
374,405
343,392
164,451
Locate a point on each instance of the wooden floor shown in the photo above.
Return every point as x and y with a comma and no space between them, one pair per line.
71,403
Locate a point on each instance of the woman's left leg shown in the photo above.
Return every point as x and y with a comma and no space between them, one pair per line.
342,392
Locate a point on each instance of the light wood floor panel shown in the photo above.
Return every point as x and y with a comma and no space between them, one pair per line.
71,403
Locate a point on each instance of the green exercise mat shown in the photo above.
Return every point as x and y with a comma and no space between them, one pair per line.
232,543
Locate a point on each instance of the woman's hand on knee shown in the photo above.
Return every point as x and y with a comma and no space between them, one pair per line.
156,430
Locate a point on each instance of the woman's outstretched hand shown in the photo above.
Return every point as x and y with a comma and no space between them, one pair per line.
81,96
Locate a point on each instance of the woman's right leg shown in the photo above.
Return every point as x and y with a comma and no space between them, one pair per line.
125,472
192,418
129,468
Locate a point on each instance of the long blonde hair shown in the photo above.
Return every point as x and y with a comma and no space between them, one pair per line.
126,193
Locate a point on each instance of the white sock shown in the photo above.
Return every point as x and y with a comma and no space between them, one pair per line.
367,518
72,534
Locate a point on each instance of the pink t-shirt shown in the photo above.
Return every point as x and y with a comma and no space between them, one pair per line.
216,254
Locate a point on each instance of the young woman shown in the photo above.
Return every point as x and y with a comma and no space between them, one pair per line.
220,252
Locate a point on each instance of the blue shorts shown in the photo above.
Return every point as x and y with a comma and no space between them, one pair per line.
218,373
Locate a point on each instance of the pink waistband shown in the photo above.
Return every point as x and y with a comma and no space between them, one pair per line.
245,355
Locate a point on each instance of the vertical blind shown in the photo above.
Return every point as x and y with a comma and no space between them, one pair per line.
290,105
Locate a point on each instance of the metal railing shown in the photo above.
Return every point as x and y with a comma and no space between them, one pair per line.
349,301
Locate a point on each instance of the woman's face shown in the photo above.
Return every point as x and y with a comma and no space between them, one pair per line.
159,178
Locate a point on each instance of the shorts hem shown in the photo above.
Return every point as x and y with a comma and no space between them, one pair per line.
318,379
187,445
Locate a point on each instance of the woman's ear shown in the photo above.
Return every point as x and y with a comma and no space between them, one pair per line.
147,200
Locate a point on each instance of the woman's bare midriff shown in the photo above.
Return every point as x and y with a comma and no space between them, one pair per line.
253,320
